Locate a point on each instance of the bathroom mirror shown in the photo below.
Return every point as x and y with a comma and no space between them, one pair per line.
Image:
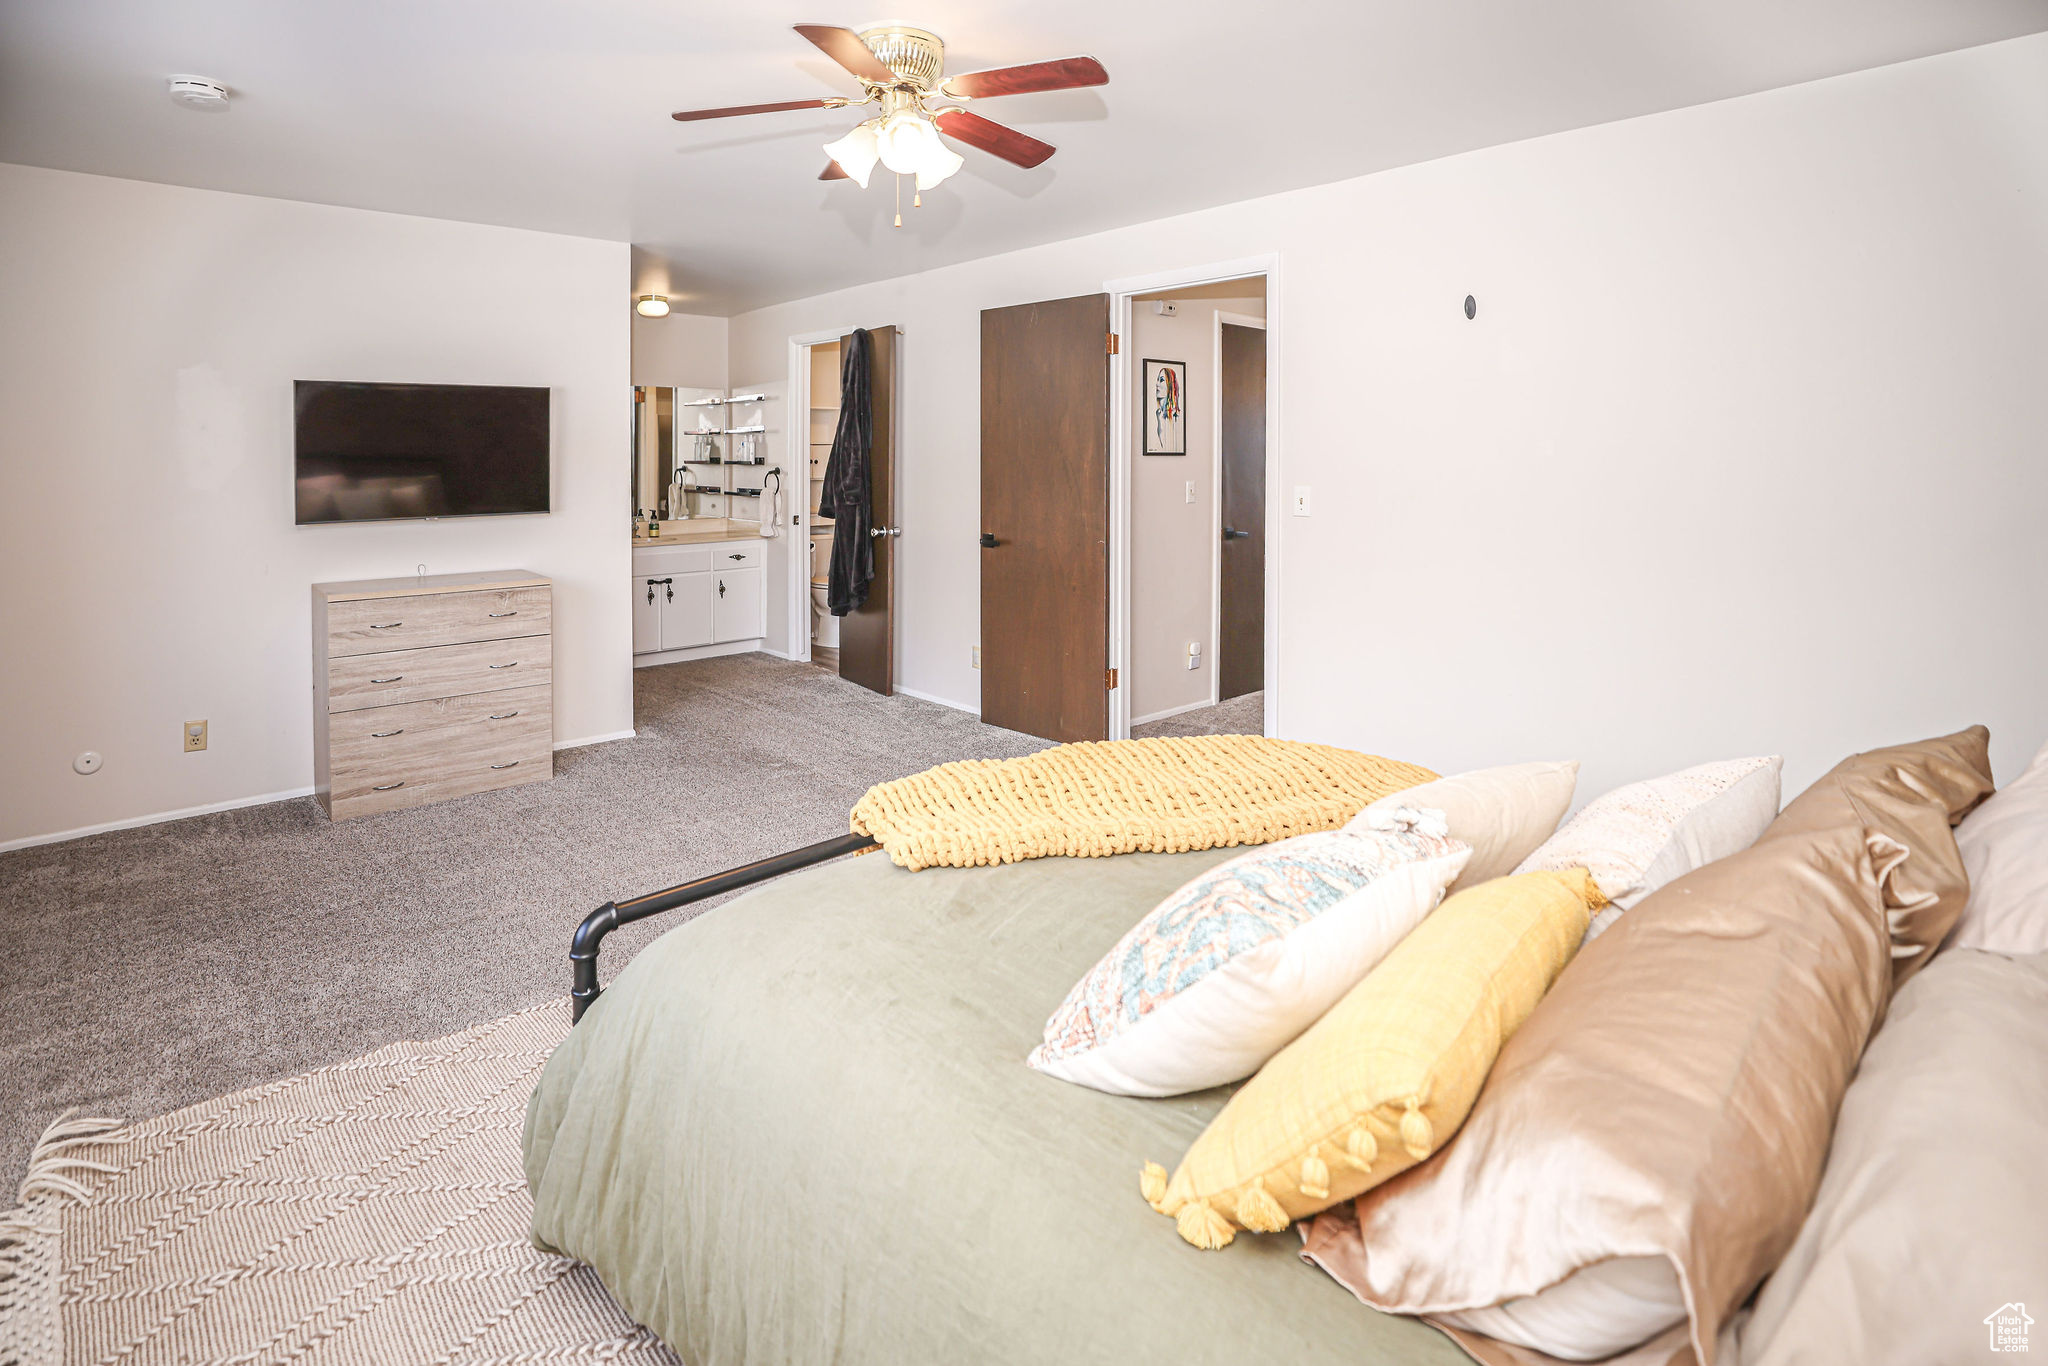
654,447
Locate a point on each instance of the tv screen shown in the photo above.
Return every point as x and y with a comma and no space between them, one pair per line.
374,452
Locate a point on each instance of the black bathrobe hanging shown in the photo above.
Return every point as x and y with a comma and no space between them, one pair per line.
847,497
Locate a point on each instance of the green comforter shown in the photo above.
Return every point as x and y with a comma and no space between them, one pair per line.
800,1129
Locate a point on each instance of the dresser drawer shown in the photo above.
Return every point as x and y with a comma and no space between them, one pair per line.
398,676
730,556
386,758
363,626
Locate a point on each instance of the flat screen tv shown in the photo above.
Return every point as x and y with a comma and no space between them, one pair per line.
376,452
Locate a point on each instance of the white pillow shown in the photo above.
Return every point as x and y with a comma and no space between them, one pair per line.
1639,837
1590,1315
1224,973
2005,851
1503,813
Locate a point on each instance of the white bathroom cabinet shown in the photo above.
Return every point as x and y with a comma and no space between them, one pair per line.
708,598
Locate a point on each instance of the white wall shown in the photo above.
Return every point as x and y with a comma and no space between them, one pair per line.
153,571
1743,453
683,350
1173,564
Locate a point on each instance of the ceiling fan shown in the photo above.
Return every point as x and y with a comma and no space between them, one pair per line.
899,69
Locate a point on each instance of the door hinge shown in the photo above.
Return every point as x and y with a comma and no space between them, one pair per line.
1112,680
1111,346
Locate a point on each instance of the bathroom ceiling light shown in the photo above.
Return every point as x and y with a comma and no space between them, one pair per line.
651,306
202,93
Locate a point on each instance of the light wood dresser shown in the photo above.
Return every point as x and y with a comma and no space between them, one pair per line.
431,686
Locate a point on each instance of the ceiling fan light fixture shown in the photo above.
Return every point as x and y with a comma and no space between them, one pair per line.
908,142
856,153
651,306
940,164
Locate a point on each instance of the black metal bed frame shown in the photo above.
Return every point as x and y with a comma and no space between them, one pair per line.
608,917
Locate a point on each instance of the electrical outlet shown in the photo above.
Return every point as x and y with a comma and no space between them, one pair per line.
1301,500
1191,490
195,736
976,651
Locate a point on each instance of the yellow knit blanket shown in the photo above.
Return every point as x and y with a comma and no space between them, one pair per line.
1097,798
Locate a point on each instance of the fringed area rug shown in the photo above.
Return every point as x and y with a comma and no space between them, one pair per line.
370,1212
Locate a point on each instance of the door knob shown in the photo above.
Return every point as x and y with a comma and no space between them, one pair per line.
988,540
1233,534
885,531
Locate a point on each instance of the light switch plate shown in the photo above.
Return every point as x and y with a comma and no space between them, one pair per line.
1191,490
976,656
1301,500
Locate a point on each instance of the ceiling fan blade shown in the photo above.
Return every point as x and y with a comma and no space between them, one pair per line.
1068,73
1019,148
833,171
844,46
692,115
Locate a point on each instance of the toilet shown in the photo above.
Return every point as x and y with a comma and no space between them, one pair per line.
824,628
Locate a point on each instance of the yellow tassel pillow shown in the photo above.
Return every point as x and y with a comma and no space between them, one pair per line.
1390,1072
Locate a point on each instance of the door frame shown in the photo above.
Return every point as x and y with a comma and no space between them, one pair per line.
1216,489
1121,443
797,486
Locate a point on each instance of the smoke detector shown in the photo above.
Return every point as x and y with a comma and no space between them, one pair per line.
200,92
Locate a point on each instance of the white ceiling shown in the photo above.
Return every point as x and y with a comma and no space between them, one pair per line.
553,114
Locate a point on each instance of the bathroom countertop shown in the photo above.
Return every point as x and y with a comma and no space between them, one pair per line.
700,531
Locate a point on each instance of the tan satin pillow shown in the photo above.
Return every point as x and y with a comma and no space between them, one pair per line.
1916,794
1672,1097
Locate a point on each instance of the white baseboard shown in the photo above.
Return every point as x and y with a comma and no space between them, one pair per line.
595,739
942,701
157,818
1171,711
732,647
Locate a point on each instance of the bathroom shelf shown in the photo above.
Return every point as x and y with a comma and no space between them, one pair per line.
722,402
742,431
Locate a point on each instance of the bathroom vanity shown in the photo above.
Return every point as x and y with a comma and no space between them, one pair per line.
698,592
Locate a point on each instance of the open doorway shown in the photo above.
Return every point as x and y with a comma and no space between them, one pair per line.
1195,641
860,644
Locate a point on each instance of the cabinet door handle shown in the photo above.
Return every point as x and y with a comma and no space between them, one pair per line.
513,665
496,615
513,764
650,590
505,716
386,734
721,588
671,589
389,786
393,679
389,626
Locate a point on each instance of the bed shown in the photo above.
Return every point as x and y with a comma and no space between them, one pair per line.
800,1128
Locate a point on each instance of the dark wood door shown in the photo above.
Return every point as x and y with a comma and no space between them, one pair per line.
1045,518
867,637
1241,652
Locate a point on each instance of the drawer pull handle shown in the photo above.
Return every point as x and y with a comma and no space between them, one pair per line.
390,626
513,764
735,557
393,679
505,716
386,734
496,615
389,786
513,665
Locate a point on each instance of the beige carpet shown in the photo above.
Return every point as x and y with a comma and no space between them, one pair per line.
369,1212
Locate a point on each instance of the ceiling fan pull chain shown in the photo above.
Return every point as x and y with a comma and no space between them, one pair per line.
899,201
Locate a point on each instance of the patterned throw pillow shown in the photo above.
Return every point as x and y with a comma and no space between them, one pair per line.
1223,973
1639,837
